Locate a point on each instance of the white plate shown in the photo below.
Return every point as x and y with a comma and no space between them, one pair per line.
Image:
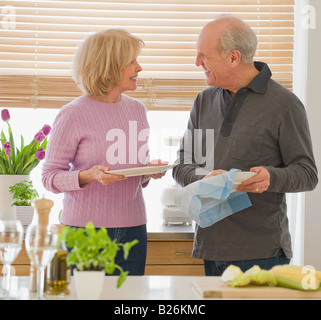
240,177
141,171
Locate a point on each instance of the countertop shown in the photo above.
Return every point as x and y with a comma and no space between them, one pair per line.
158,230
173,288
135,287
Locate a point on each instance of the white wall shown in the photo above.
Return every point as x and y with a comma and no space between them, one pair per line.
312,230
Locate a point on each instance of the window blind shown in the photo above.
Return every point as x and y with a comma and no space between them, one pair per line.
39,39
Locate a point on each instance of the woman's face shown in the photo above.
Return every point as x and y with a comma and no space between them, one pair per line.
130,73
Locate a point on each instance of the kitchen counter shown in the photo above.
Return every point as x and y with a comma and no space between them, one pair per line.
157,230
169,288
135,287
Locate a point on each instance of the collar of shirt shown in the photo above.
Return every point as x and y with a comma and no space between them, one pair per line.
260,82
258,85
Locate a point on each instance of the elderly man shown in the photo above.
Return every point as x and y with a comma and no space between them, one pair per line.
259,126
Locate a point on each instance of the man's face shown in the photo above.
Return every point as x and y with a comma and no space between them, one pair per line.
209,58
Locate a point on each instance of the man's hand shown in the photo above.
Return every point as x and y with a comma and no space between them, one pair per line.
256,184
214,173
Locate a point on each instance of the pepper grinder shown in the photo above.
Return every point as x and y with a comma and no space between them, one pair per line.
43,207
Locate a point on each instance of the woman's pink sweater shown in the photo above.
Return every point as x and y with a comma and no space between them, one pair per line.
86,133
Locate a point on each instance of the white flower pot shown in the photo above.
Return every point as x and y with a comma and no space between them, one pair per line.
88,284
25,214
8,180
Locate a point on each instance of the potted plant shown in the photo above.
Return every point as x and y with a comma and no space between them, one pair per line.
16,162
93,255
23,193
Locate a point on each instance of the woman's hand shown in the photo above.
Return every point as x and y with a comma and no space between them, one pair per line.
156,162
97,173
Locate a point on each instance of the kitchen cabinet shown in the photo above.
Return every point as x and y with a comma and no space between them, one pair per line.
164,257
172,257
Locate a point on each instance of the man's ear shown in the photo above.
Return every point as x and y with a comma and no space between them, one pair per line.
235,57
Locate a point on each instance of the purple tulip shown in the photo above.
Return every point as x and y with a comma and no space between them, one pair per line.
6,145
40,154
8,152
5,115
39,137
46,129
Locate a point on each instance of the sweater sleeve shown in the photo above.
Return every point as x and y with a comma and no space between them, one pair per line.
299,172
57,173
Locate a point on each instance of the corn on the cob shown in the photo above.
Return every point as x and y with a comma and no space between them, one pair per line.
297,277
304,269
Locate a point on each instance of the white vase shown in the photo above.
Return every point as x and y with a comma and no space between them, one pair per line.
88,284
25,214
7,211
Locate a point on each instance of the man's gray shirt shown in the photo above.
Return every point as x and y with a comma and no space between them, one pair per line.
266,125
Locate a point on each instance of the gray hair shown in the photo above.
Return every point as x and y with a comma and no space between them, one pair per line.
239,37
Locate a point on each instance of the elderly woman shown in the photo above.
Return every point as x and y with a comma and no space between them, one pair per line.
100,131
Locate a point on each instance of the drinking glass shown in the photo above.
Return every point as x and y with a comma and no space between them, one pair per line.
41,245
11,237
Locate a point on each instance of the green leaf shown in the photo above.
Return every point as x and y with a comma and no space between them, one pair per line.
3,137
122,277
90,229
3,169
13,148
30,167
22,143
19,163
3,156
28,161
44,144
110,267
127,246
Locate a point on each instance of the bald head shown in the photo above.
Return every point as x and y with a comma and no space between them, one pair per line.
228,22
231,33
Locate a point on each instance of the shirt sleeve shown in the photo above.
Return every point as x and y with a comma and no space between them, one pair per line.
57,173
186,171
299,172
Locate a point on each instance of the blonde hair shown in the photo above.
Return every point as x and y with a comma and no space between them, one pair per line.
100,59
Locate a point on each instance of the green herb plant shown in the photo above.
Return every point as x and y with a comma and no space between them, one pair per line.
93,249
23,193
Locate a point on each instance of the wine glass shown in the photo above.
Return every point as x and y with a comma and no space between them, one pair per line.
41,245
11,237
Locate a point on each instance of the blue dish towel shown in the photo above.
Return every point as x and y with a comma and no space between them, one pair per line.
210,200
